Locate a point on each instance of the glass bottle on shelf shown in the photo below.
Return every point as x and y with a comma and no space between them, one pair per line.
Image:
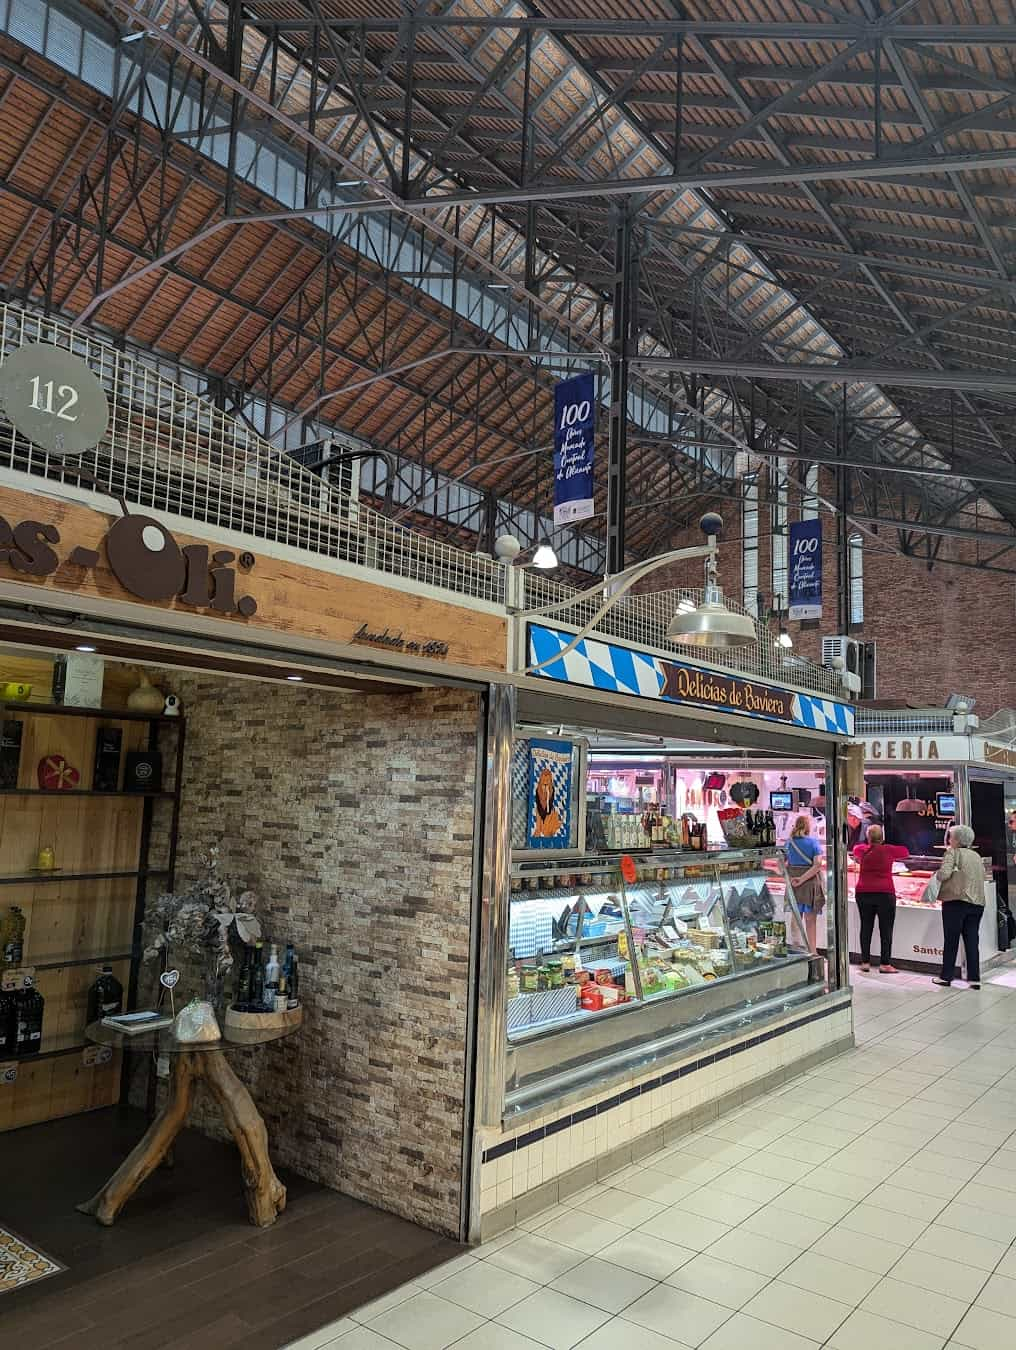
105,998
256,987
12,937
31,1007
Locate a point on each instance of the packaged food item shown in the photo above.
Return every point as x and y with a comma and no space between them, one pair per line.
555,975
592,998
529,980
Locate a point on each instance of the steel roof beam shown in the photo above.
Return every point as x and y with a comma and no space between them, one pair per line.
838,373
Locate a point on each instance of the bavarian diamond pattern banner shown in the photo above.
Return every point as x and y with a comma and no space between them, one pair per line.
622,670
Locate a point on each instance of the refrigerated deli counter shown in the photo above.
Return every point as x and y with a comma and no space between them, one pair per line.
598,964
917,933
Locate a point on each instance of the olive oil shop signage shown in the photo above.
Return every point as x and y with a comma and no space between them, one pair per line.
143,556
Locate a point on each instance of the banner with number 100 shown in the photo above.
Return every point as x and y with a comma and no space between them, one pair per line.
805,598
574,432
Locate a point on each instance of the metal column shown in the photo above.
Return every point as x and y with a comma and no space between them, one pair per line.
617,445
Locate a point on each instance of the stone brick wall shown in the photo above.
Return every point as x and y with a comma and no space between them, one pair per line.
351,815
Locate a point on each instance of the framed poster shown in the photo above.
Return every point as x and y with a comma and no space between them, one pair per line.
550,794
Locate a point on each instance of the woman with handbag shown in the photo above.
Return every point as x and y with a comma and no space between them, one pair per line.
805,863
961,893
875,894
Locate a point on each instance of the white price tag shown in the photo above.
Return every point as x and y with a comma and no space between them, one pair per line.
18,977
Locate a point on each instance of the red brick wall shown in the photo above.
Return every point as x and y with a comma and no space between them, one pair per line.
948,630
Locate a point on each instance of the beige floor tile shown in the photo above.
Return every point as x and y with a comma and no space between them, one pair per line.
718,1281
901,1302
864,1331
982,1329
748,1333
751,1251
795,1309
858,1249
582,1231
998,1295
746,1182
629,1211
876,1221
720,1205
831,1278
797,1229
654,1185
485,1289
647,1255
968,1250
362,1338
902,1201
673,1312
997,1227
608,1287
554,1319
612,1336
426,1322
844,1184
940,1275
390,1300
536,1259
803,1199
687,1230
493,1336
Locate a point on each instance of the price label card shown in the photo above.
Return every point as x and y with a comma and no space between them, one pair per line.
8,1074
20,977
94,1055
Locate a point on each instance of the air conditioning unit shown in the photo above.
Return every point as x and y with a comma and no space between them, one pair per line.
843,654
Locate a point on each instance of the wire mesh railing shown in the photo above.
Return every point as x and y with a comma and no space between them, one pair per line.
642,621
168,449
903,722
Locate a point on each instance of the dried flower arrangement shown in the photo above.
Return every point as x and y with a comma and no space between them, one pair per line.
200,920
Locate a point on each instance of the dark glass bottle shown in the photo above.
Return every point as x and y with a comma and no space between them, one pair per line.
31,1007
293,979
256,987
8,1024
105,998
243,971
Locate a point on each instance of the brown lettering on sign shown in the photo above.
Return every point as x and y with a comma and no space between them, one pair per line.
395,642
685,684
143,556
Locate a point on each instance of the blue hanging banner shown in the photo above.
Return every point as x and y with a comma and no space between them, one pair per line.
574,432
805,598
550,794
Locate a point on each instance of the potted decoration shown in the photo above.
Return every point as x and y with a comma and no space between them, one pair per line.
204,922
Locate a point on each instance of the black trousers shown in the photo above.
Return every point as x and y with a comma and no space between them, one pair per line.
879,905
961,919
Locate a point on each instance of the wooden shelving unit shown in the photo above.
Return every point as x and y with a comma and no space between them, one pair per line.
88,911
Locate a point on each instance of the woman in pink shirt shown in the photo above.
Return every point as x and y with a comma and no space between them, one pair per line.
876,895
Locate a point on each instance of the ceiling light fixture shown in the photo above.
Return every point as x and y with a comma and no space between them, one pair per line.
785,640
545,558
84,647
295,678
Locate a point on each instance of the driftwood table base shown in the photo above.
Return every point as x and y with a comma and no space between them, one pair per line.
266,1195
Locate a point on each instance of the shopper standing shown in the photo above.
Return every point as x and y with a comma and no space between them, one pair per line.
961,894
876,895
804,863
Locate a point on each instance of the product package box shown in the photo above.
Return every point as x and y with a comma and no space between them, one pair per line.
10,752
108,741
77,680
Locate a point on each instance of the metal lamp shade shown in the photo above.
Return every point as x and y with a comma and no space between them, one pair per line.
712,625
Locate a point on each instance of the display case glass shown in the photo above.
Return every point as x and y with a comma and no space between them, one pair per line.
584,943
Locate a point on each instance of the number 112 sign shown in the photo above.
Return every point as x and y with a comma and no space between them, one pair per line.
805,599
53,399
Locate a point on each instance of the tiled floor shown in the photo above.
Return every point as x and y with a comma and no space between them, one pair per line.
869,1206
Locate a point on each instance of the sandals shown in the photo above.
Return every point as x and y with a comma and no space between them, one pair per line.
888,970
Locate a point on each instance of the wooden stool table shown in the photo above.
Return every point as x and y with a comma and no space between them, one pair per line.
192,1063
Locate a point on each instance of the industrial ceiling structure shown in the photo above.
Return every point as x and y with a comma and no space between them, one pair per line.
781,234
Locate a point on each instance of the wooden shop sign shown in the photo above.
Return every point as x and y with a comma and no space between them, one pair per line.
143,556
396,642
687,684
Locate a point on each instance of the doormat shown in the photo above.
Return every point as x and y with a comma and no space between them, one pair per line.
21,1263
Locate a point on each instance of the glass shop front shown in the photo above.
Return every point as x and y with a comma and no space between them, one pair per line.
650,905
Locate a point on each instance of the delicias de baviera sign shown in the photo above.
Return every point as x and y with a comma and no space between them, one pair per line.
143,556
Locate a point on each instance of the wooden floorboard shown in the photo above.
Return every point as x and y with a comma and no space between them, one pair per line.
183,1269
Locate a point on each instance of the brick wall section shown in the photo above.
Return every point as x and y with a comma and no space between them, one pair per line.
352,816
948,630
